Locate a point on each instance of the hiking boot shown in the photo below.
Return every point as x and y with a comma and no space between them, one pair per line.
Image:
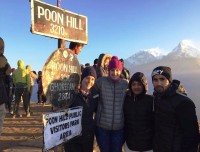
28,114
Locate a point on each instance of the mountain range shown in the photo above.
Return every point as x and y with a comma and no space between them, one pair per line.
184,61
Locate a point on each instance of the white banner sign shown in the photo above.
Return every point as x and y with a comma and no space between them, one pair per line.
61,126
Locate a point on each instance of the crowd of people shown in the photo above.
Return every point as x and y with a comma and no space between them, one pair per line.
21,83
126,114
17,86
117,108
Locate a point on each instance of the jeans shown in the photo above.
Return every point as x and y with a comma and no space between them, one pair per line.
110,140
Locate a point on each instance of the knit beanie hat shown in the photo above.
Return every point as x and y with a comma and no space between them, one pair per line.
115,64
162,70
88,71
1,45
139,77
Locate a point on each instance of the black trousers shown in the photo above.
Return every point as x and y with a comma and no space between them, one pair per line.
80,144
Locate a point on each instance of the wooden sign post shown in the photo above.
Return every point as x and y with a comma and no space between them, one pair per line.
52,21
62,68
61,42
61,72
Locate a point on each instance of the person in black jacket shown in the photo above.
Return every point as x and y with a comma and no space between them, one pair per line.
125,72
176,126
84,143
138,116
5,71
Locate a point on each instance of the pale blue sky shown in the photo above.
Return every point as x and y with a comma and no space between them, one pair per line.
117,27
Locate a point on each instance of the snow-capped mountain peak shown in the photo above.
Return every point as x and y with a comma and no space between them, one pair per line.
184,44
186,48
145,56
156,52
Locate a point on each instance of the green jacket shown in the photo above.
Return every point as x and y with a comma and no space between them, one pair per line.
21,75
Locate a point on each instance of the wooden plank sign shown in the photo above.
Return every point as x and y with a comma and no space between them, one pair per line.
61,126
56,22
61,77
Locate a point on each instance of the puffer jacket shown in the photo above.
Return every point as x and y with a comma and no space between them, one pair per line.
139,117
138,114
110,104
89,105
176,127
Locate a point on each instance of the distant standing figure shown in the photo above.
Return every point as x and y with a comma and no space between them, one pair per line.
35,89
39,92
8,85
87,64
13,86
176,125
33,76
95,64
102,68
76,47
12,91
5,70
22,81
82,67
138,116
125,72
41,96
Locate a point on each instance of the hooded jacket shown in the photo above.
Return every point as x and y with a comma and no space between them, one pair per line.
101,69
176,126
21,77
138,116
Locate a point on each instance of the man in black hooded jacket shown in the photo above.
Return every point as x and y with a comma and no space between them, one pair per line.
176,126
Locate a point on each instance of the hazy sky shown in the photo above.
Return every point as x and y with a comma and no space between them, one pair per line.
117,27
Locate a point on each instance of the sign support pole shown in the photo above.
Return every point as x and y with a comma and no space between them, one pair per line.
61,42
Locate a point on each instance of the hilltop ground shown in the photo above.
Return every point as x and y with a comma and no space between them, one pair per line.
25,134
